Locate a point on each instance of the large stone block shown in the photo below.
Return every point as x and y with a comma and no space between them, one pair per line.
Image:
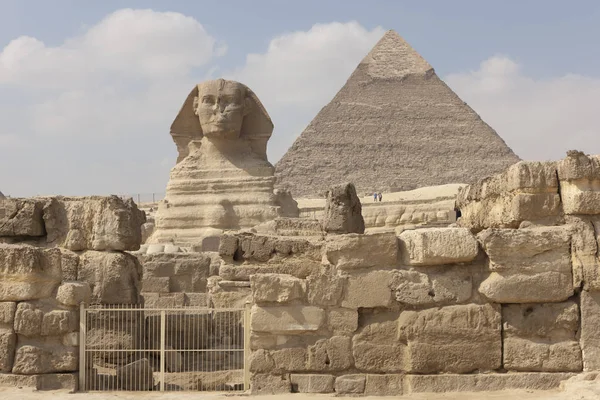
293,359
531,265
28,273
37,356
21,217
176,272
375,346
287,319
7,314
350,384
590,328
137,375
8,342
34,319
262,248
276,288
459,339
362,251
384,385
436,246
93,223
579,176
113,277
368,290
445,383
342,321
343,211
312,383
333,354
74,293
325,287
432,286
526,191
585,239
270,384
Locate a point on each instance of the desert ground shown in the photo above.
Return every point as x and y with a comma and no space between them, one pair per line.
577,388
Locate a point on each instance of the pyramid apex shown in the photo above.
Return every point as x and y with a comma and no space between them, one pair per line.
393,57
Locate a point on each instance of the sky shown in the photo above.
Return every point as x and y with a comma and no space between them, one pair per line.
88,90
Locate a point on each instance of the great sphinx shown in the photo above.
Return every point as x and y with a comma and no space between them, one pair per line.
222,179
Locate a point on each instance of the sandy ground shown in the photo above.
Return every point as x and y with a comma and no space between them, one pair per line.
574,389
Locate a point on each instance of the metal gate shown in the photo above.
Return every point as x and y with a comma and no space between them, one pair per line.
134,348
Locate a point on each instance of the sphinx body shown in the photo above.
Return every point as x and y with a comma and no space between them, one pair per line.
223,179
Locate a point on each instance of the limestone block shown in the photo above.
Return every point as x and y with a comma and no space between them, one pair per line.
383,385
312,383
43,357
154,284
196,299
186,272
28,273
375,346
333,354
260,248
93,223
531,265
291,266
444,383
343,211
163,300
261,361
459,339
113,277
136,375
437,246
69,265
276,288
21,217
368,290
8,342
350,384
7,314
432,286
342,320
58,382
324,287
525,191
585,239
528,355
228,245
74,293
286,319
579,176
290,359
590,326
269,384
291,227
362,251
34,319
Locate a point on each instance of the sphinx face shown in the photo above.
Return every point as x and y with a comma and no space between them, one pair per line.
220,107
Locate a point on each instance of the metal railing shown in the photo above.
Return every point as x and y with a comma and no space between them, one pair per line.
132,348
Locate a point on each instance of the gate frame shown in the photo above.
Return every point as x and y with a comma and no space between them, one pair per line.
84,308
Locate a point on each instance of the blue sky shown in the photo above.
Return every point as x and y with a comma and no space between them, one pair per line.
78,117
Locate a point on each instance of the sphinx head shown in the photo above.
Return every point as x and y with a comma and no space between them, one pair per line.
222,109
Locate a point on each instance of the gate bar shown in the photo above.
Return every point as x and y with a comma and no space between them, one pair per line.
163,329
82,341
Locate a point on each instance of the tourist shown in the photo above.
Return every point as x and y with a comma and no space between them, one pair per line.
380,196
375,196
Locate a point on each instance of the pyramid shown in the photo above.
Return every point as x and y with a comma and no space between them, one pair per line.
395,125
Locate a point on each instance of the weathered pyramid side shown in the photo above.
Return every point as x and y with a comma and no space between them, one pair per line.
393,125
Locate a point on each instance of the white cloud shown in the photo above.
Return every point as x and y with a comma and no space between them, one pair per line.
540,119
300,72
94,112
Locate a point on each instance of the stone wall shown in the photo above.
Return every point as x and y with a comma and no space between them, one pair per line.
56,252
508,298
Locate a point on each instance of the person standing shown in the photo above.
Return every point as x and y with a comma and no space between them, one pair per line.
380,196
375,196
